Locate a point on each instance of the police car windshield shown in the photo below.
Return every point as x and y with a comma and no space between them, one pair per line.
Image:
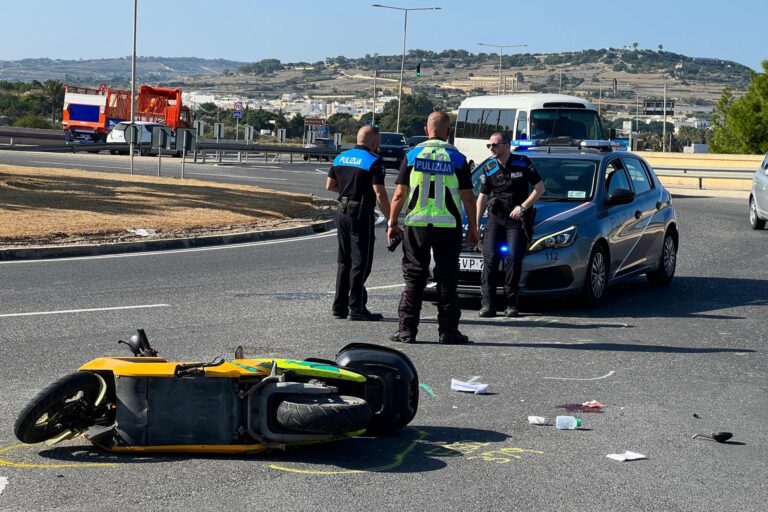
566,179
393,139
564,122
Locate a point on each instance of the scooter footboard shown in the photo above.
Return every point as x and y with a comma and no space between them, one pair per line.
392,388
154,411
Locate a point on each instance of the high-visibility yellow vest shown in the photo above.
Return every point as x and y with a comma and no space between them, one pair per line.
434,161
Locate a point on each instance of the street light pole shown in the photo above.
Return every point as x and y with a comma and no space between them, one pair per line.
133,84
402,61
501,51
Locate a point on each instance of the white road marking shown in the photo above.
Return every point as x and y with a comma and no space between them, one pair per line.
64,311
175,251
113,167
233,176
385,287
594,378
3,483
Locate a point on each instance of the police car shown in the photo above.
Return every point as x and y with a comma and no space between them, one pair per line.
758,197
604,217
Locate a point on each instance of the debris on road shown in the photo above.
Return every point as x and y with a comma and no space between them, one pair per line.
627,455
720,437
594,404
537,420
470,386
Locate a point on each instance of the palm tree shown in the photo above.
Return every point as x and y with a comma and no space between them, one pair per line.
53,89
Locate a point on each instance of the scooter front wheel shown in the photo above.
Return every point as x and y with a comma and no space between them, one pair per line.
323,414
68,404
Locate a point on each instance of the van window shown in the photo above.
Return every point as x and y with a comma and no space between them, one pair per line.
507,120
561,122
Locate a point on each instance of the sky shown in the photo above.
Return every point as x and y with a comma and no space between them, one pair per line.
311,30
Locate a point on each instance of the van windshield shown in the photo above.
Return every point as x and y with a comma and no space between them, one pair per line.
565,122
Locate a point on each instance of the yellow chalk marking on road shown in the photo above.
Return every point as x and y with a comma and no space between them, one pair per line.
24,465
399,458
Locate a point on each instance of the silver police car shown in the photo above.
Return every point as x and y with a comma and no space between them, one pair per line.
758,198
604,217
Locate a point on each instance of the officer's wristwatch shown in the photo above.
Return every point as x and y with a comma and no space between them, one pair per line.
522,209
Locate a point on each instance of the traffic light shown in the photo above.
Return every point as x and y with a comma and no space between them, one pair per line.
418,69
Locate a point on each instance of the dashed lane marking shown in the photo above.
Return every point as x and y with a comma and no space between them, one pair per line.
573,378
66,311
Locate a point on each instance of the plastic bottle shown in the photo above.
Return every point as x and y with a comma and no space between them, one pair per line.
567,423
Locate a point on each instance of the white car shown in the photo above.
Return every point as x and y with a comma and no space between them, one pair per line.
758,198
117,135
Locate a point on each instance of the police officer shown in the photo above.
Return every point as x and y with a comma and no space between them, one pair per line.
505,190
439,180
358,176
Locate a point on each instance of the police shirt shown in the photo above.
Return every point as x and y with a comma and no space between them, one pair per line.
356,171
510,181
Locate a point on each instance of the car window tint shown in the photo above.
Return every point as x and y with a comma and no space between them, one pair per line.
615,177
764,165
638,175
566,178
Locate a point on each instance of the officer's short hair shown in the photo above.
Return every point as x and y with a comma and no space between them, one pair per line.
505,138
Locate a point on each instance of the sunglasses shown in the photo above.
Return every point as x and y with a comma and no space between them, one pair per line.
495,144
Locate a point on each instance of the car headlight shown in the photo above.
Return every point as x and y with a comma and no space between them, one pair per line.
555,240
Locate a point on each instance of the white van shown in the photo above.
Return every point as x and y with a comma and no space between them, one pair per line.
523,116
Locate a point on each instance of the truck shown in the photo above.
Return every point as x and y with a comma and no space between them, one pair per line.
90,114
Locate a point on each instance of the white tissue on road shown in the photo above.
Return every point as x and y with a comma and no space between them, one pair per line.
627,455
3,483
470,386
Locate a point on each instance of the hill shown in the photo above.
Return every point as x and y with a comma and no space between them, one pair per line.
618,79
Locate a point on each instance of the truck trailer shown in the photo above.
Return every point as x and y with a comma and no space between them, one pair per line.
90,114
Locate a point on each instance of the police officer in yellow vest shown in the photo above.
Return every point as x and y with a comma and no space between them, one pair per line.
439,180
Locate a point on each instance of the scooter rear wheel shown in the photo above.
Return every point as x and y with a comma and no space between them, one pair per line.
323,414
67,404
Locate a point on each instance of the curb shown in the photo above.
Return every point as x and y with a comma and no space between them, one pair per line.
63,251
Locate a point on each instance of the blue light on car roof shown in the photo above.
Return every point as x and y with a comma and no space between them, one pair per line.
524,143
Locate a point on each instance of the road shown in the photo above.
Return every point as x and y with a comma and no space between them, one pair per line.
667,363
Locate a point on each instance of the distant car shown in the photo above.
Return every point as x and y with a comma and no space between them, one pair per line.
320,143
604,216
117,136
392,149
415,140
758,198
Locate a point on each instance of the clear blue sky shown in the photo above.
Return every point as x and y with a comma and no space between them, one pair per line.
310,30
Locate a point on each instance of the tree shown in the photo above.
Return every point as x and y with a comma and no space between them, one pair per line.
660,47
54,91
741,125
634,46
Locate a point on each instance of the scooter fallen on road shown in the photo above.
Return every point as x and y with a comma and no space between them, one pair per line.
147,404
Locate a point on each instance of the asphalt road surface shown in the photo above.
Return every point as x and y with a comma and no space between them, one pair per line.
667,363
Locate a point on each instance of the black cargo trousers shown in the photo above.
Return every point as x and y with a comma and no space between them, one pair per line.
498,232
420,244
355,236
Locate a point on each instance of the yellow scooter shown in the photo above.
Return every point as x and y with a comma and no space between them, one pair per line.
147,404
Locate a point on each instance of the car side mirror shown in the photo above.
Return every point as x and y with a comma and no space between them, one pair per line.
620,196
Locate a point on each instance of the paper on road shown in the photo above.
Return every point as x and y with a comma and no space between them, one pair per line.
470,386
627,455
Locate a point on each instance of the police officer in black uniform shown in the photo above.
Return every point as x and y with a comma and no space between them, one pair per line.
358,176
505,190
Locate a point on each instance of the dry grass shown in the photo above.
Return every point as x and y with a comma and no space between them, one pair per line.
54,206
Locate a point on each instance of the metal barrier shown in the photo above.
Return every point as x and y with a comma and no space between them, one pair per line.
203,149
702,173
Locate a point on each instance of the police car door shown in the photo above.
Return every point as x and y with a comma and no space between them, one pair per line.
649,222
623,234
761,188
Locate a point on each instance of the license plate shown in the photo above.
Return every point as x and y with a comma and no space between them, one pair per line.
390,159
471,264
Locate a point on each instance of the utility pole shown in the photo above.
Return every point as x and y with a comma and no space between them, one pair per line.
501,51
664,122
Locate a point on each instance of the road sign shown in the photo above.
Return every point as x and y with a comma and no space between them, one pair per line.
238,106
237,114
314,121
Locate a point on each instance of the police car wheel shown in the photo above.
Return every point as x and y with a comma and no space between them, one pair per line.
667,262
754,221
596,278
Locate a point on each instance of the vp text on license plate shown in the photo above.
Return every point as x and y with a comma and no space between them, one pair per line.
471,264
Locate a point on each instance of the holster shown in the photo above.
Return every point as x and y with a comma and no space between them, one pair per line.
354,208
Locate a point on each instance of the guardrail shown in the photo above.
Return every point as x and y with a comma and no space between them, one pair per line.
203,149
704,173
